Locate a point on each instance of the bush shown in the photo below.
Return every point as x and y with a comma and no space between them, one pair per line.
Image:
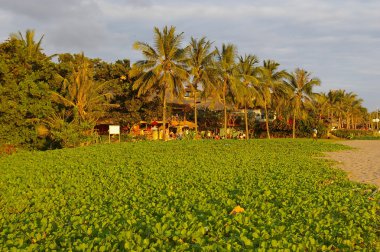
305,128
353,134
7,149
281,129
71,134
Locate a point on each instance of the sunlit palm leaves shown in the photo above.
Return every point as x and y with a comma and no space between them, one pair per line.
301,85
270,85
228,75
202,70
32,48
164,67
248,92
87,98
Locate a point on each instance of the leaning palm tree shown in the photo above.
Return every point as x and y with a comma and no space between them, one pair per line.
228,75
164,67
270,83
248,93
202,70
301,84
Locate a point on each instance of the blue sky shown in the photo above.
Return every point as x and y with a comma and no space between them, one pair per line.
337,40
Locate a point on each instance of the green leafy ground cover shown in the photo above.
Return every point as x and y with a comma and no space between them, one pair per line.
178,196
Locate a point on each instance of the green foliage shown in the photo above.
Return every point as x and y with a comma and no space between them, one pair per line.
178,195
24,93
208,119
353,134
85,98
305,128
163,71
282,129
70,134
7,149
278,128
91,91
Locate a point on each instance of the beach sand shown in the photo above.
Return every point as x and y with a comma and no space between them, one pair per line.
362,163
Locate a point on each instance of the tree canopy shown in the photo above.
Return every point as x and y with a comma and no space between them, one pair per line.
48,103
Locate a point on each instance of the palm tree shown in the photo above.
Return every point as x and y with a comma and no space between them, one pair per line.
202,70
301,84
248,92
351,104
337,106
228,75
31,48
87,98
321,105
164,67
270,82
359,113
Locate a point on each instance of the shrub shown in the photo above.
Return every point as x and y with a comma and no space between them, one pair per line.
353,134
305,128
7,149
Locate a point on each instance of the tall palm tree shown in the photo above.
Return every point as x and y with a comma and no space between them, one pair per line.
301,84
87,98
202,70
228,75
270,82
164,67
248,93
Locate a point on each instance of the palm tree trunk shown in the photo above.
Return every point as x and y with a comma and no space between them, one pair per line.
266,118
195,115
331,117
339,121
294,124
246,121
225,110
164,115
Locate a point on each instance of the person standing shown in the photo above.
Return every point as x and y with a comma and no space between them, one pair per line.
315,134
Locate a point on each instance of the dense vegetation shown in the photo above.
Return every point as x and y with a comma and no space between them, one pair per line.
55,101
183,195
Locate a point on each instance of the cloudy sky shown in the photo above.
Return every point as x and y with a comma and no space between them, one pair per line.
337,40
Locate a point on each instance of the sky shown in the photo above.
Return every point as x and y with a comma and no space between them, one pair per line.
337,41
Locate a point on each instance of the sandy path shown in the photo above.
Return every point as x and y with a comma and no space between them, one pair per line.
361,163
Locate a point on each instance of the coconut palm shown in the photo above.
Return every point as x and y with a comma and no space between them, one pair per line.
301,84
202,70
337,106
359,114
164,67
270,84
31,47
87,98
351,103
248,92
228,75
321,105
